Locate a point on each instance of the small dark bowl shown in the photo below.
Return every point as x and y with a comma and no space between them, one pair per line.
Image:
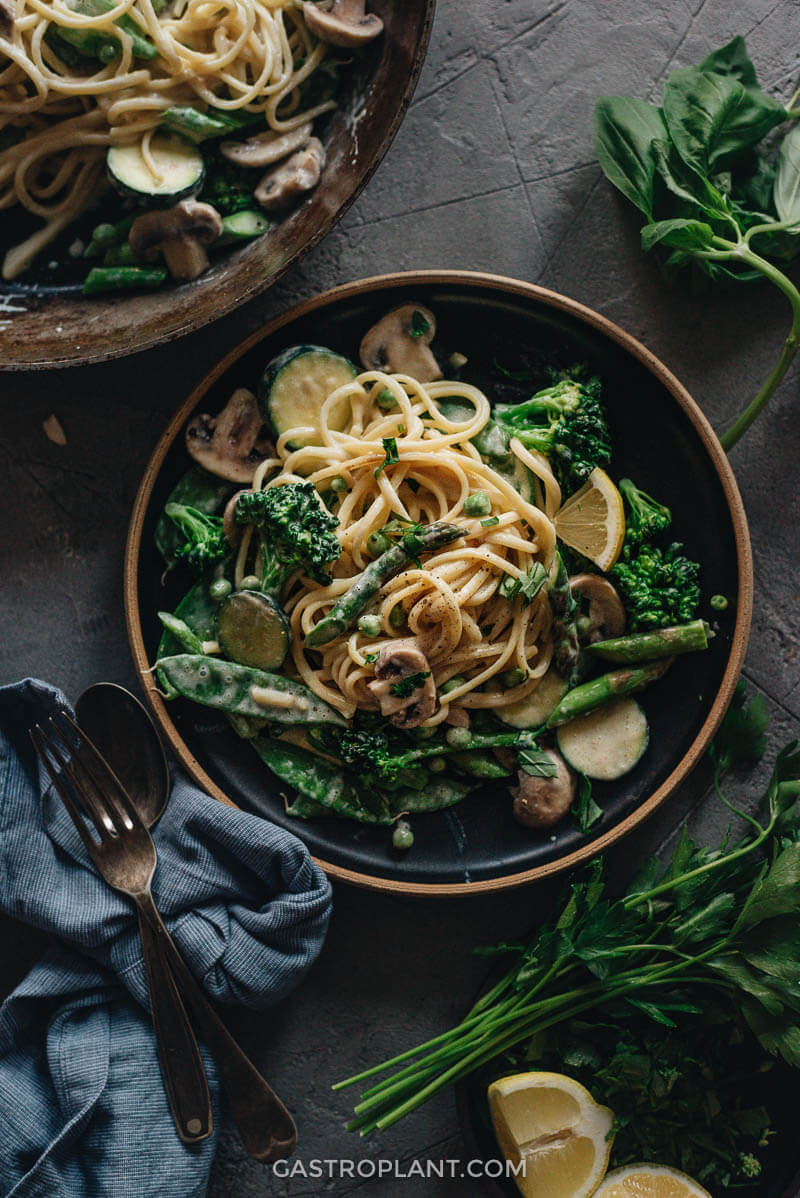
660,437
44,326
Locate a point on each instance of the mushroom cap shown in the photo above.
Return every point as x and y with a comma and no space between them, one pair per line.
345,24
229,445
292,178
190,219
606,613
542,802
267,147
398,660
395,345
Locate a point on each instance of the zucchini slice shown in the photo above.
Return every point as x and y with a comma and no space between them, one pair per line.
296,384
179,164
533,710
606,743
252,630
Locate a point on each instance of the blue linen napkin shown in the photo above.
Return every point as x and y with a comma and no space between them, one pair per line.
82,1107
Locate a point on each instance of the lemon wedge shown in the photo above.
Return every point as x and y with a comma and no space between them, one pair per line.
551,1129
592,521
649,1181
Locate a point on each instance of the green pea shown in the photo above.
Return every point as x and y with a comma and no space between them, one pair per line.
377,544
511,678
452,684
437,765
719,602
370,625
219,589
338,483
385,400
108,52
402,836
250,582
397,617
424,733
458,738
478,504
105,235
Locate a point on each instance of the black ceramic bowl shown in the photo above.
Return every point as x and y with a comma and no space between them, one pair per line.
660,438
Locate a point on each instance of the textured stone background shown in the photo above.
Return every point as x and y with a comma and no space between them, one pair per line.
493,169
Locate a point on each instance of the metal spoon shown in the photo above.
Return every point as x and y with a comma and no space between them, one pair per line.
124,733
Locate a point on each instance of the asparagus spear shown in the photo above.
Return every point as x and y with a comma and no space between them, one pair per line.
345,611
590,695
566,651
648,646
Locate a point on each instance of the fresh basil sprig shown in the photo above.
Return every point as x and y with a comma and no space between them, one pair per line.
710,193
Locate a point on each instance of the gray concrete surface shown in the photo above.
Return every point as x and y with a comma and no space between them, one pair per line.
493,169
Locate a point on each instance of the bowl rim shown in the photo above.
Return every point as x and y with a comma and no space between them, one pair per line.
719,461
188,321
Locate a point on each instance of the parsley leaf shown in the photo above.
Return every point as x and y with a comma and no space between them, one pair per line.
585,809
741,739
405,688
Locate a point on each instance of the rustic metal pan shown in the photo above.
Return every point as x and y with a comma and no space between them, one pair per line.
42,327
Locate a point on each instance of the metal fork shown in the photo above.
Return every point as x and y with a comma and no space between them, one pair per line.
125,856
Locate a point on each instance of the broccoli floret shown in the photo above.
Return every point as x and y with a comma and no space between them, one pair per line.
646,518
658,587
228,187
567,423
296,531
205,542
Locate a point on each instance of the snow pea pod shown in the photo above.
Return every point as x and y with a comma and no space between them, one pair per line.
440,793
197,489
243,690
479,764
321,782
181,631
198,611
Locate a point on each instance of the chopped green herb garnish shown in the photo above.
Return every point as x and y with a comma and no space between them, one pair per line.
537,763
392,456
584,809
406,686
490,522
419,325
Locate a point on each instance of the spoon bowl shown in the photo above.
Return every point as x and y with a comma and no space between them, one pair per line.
123,731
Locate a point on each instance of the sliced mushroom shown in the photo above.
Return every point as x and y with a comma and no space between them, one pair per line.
230,525
265,148
399,343
181,234
541,802
230,444
345,23
6,18
397,662
284,184
606,613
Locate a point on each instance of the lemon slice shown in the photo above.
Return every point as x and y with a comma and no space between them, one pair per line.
550,1128
592,521
649,1181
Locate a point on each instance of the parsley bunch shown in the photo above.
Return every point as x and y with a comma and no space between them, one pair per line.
713,926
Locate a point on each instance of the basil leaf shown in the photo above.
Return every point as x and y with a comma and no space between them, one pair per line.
624,131
786,192
713,119
585,810
537,763
700,197
680,233
733,60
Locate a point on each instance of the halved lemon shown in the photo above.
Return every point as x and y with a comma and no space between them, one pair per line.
555,1135
649,1181
592,521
